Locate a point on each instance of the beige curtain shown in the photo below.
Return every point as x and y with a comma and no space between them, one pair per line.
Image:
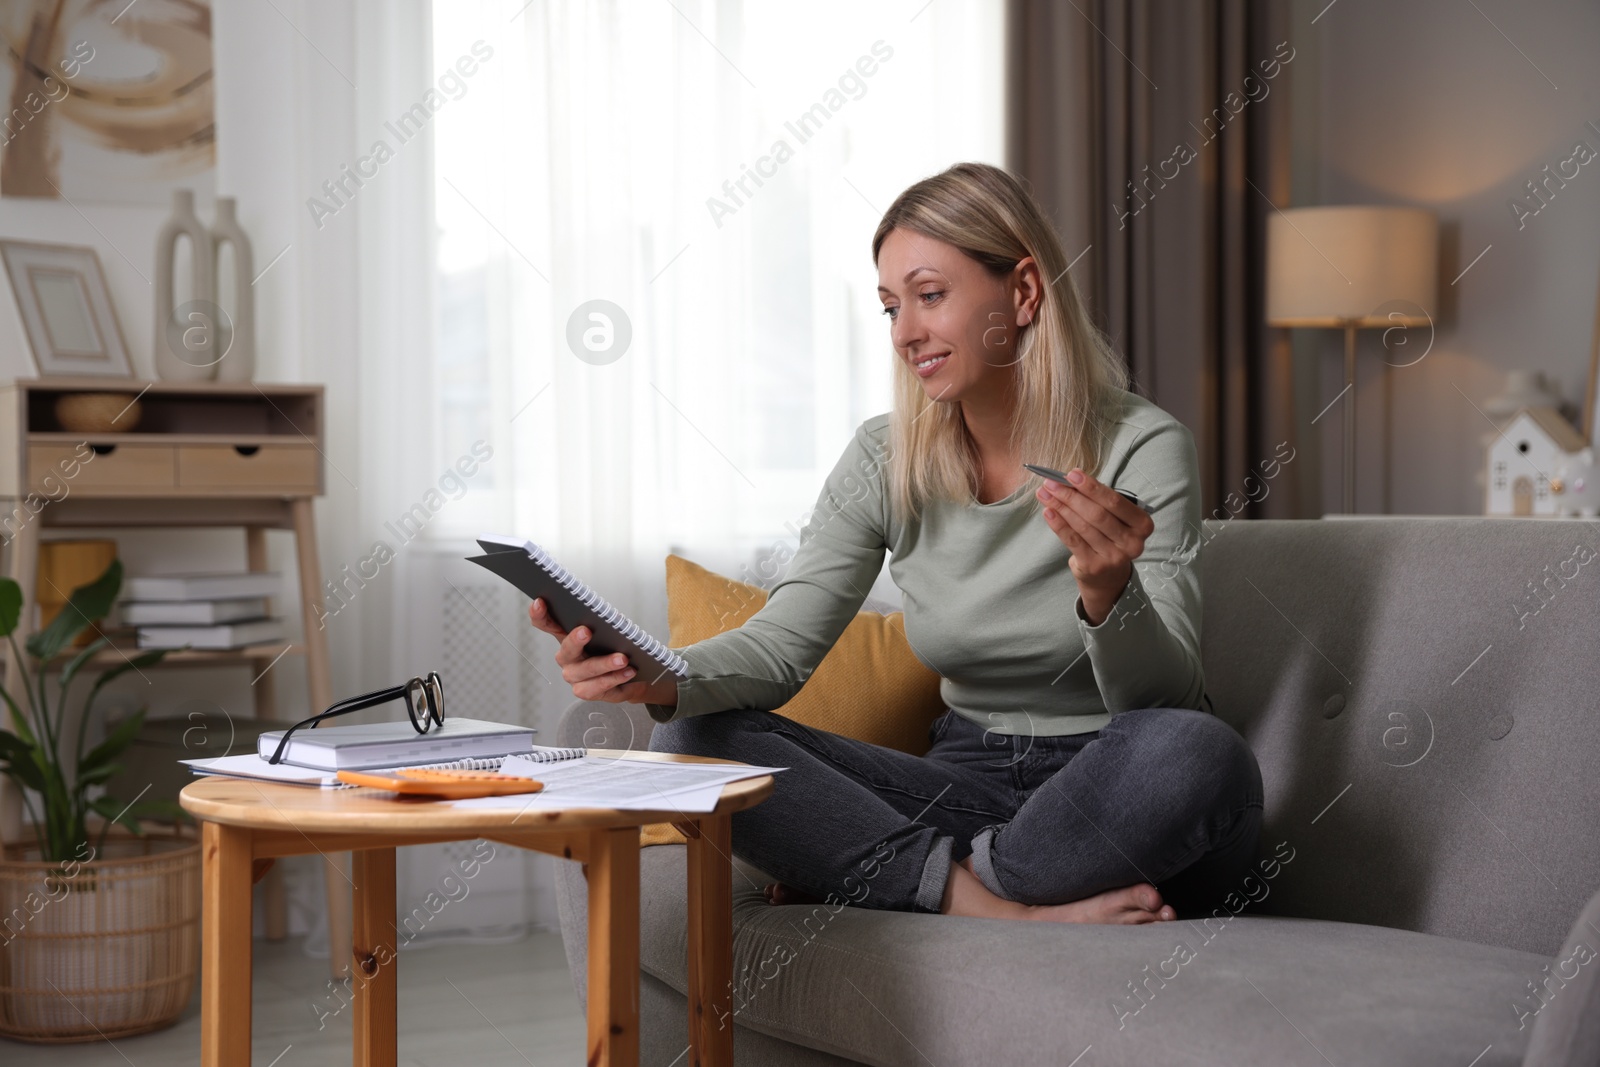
1157,136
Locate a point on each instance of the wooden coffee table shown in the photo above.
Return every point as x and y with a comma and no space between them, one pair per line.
246,825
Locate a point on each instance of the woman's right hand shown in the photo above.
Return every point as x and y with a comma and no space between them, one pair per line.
607,678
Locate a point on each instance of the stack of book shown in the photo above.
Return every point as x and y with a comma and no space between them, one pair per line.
211,611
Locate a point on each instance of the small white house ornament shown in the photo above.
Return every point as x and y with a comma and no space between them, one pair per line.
1540,466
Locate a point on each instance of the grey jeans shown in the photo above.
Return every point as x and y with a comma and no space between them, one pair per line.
1167,796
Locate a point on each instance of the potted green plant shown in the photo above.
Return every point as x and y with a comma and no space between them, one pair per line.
98,935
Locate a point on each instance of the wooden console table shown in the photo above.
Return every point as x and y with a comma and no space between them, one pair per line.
202,454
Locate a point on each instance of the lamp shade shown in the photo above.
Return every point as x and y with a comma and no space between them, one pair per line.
1366,266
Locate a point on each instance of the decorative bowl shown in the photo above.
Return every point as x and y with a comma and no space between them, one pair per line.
98,412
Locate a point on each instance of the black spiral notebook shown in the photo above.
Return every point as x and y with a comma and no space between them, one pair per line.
572,604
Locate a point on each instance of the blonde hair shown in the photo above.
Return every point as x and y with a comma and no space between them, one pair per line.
1067,372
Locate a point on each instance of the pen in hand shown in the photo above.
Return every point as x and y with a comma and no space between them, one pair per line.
1057,476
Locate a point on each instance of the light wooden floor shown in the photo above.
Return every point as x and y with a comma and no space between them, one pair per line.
479,1005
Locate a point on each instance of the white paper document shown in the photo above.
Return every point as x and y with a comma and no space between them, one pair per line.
590,782
618,782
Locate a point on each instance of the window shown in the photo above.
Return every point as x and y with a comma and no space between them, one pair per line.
713,172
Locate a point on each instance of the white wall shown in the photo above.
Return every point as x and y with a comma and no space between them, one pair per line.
1427,103
285,115
288,118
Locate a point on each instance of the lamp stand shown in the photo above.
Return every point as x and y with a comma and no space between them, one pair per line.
1350,417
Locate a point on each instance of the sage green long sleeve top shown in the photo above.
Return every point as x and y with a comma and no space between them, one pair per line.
990,602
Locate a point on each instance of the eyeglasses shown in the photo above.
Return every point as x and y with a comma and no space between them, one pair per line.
424,699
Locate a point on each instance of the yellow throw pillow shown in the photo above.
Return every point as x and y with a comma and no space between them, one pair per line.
870,685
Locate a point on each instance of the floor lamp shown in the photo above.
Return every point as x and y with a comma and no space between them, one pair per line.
1352,268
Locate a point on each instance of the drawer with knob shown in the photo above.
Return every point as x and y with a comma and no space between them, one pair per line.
245,468
102,468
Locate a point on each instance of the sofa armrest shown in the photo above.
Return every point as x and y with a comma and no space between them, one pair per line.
1566,1032
595,724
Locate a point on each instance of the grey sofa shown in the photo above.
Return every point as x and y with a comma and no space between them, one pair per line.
1422,697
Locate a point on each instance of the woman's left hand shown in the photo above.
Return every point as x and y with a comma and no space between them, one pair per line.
1105,531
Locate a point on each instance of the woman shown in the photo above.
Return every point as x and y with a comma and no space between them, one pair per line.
1071,778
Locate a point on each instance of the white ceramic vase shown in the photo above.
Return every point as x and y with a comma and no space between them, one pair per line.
237,335
186,343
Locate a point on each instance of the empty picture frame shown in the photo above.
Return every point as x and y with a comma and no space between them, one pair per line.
66,309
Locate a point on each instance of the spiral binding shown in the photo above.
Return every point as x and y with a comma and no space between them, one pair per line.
482,763
539,754
545,754
625,626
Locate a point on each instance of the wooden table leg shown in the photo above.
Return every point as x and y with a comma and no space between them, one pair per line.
613,871
318,666
373,960
265,686
225,946
23,567
274,895
711,943
319,676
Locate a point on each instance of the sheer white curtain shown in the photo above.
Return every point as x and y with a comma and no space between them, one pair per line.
540,156
713,171
599,155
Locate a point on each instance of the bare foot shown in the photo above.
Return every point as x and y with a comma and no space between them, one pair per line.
778,893
964,894
1129,905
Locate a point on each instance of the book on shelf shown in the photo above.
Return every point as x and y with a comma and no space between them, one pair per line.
220,637
192,612
201,586
397,744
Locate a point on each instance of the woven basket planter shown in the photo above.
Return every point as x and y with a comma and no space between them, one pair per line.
103,949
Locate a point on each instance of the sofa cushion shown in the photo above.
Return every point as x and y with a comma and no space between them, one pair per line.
898,988
1423,697
869,686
